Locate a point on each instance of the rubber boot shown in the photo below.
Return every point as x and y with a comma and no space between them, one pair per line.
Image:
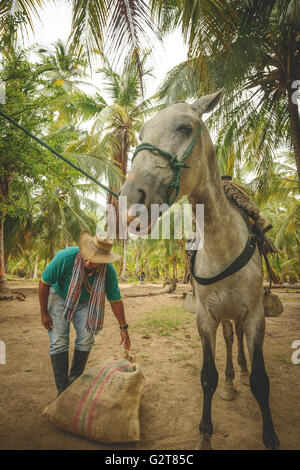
78,364
60,366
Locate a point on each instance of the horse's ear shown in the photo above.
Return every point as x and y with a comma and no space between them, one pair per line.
207,103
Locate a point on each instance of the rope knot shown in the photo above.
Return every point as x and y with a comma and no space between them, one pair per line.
175,163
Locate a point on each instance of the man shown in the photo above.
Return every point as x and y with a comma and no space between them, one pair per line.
142,277
73,288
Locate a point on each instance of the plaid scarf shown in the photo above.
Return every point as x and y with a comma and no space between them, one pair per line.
95,316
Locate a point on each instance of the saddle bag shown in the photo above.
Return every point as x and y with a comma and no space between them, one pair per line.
272,304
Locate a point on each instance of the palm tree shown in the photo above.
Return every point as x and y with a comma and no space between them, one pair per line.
116,123
65,75
110,26
14,13
276,194
63,68
253,48
115,127
61,218
285,236
53,220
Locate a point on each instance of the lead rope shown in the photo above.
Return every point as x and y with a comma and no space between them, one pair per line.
57,154
174,163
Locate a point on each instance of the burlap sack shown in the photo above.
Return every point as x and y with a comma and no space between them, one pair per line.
102,404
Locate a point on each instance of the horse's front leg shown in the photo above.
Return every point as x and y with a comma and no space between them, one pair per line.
207,328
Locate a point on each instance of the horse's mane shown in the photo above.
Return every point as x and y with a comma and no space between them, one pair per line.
240,196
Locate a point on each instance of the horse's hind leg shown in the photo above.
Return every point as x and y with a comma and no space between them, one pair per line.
259,381
207,328
228,392
242,362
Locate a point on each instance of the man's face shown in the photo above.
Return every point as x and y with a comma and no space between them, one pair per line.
89,265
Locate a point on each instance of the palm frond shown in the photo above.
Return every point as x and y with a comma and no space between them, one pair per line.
88,24
27,8
130,23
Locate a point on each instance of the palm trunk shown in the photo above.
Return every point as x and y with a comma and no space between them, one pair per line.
121,160
295,127
167,271
120,269
52,251
112,219
187,270
36,267
137,264
4,192
147,267
3,282
174,269
124,261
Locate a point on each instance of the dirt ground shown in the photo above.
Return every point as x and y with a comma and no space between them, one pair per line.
171,403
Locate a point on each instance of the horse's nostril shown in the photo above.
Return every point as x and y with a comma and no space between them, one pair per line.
143,196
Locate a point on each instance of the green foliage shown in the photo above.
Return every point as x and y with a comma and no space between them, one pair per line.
21,158
115,125
253,49
40,195
250,47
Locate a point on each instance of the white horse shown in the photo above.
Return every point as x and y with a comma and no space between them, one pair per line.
177,136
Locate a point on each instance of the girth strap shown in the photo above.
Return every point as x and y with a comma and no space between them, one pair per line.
237,264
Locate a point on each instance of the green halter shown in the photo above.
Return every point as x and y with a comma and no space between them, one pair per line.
174,163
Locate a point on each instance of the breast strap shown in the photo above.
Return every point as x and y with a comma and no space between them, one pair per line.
234,267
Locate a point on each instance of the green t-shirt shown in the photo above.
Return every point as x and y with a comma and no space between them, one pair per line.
58,274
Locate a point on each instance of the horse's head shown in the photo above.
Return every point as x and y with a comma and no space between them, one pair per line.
166,165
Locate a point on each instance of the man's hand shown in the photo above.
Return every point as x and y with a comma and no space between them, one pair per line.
118,309
46,321
43,297
125,339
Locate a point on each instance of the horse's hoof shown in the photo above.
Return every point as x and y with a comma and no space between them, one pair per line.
244,378
228,393
205,444
271,442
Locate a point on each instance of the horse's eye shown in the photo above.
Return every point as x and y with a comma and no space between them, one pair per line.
185,128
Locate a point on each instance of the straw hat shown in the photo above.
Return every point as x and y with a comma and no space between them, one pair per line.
97,249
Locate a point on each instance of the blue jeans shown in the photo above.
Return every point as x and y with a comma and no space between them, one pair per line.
59,335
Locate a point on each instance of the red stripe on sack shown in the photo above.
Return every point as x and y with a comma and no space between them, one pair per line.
87,393
89,435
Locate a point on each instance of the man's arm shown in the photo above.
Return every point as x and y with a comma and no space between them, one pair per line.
118,310
43,297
